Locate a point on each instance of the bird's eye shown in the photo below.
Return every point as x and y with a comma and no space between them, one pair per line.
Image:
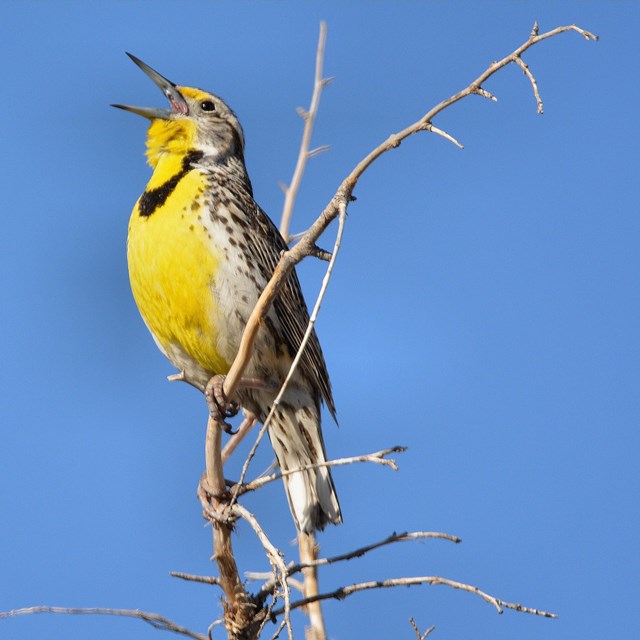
207,105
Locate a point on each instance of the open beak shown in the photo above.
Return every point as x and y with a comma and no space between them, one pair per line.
176,100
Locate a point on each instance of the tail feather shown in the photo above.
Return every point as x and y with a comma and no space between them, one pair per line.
296,438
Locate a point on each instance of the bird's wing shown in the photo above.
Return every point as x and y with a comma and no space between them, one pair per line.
290,307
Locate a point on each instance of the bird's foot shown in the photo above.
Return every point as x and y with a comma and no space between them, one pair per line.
220,407
215,508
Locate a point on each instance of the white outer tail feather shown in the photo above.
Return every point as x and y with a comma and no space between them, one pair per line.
297,441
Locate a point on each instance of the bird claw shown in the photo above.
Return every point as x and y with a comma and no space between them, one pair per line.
219,406
206,495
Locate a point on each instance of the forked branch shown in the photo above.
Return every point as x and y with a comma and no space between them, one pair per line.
319,83
420,636
342,592
379,457
343,196
292,569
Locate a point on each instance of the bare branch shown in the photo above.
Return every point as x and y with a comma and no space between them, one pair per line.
193,578
343,196
525,68
245,427
429,127
240,612
239,487
485,94
308,549
378,458
296,584
357,553
276,559
279,629
321,254
318,150
343,592
421,636
309,118
155,620
393,141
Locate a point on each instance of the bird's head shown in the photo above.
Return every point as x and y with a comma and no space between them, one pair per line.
196,121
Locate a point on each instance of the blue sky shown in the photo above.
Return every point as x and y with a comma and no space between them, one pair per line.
484,312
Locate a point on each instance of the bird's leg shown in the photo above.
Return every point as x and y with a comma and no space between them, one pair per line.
219,406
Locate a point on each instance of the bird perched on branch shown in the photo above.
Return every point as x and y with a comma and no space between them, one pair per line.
200,252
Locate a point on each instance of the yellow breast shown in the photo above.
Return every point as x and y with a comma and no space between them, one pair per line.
172,266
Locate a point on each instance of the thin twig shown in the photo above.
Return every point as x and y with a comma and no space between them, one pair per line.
268,577
267,617
429,127
292,569
238,488
291,192
421,636
245,427
296,584
275,557
358,553
189,577
525,68
155,620
343,592
378,458
485,94
279,629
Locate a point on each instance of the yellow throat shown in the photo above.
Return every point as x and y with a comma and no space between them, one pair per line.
172,261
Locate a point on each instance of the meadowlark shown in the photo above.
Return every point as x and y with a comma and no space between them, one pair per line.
200,252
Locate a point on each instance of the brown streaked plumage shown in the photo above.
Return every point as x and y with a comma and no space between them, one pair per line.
200,252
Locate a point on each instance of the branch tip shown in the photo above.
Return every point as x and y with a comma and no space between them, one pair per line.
485,94
321,254
155,620
318,150
193,578
420,636
342,592
534,85
430,127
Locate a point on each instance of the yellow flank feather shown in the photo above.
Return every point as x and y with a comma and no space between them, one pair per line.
172,267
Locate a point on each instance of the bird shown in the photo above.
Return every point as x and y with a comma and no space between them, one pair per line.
200,251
